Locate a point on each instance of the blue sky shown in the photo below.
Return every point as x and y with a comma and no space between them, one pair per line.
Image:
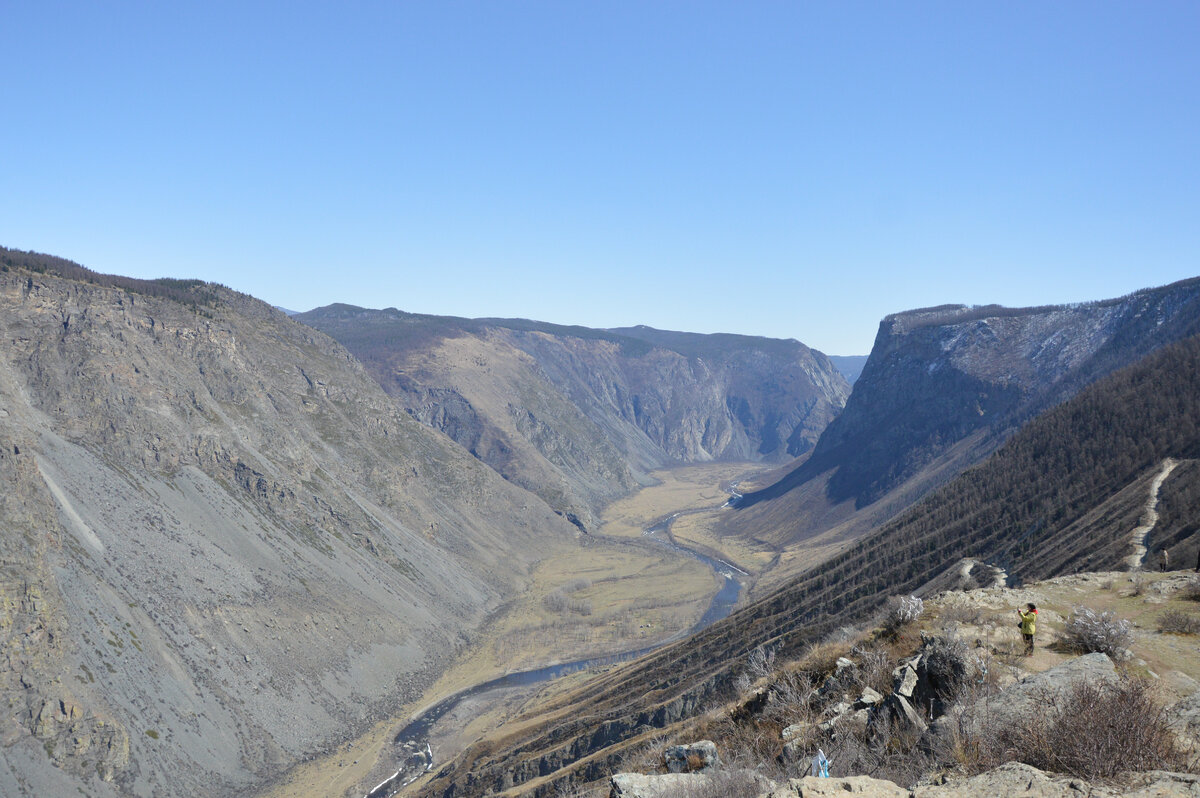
796,170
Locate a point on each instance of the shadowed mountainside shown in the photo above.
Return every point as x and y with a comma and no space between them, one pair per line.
579,415
942,389
936,376
222,547
1056,498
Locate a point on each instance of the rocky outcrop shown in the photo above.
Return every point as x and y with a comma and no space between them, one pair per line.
578,415
691,758
1012,779
939,375
1016,778
1029,696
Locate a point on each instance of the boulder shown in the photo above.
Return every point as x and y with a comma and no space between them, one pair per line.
905,677
844,668
691,758
901,714
867,699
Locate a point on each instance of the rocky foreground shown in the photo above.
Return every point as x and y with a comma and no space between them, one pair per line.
965,713
1012,779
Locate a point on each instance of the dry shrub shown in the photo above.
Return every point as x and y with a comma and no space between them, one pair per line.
965,614
875,666
1138,585
1177,622
1191,590
724,784
1087,631
1093,731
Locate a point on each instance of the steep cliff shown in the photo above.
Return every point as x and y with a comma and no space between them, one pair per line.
578,415
937,376
222,546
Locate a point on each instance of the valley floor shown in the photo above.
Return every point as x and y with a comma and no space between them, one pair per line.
618,591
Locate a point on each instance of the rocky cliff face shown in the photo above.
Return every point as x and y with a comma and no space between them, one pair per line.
937,376
222,546
578,415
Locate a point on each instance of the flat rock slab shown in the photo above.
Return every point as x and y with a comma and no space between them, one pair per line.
864,786
1022,781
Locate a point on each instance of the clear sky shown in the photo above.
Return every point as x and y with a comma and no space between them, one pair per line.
789,169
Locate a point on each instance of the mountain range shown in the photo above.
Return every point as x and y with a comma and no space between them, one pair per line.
232,539
579,416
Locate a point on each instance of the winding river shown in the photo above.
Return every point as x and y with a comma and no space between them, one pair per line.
414,737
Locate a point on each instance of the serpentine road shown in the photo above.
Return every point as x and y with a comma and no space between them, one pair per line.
414,738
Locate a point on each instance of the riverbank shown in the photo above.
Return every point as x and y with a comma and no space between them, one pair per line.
638,594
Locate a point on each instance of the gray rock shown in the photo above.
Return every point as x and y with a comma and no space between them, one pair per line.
793,731
1184,717
637,785
903,715
698,756
1029,695
869,698
1015,778
673,785
905,680
864,786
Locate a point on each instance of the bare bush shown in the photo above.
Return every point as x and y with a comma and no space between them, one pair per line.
1177,622
901,611
875,667
760,663
1088,631
1138,585
575,585
1191,590
967,614
1095,731
555,602
579,607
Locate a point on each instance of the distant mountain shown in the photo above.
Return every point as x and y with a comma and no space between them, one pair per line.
579,415
223,548
1062,495
850,366
939,376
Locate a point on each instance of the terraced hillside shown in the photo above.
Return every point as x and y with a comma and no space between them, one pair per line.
1061,495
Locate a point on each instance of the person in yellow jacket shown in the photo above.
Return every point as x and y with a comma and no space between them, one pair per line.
1028,627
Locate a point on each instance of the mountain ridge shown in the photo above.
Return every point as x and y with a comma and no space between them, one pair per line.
225,548
581,415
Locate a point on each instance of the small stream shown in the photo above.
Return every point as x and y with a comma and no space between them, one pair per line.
414,738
